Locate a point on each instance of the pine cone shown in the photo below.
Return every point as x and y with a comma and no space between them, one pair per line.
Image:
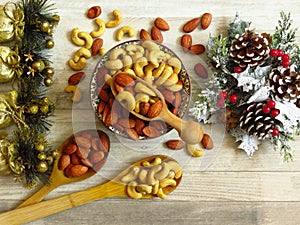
285,85
255,122
250,49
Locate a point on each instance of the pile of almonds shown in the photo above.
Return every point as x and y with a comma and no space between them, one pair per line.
86,150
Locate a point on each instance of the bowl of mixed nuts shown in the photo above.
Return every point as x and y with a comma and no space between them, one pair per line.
117,99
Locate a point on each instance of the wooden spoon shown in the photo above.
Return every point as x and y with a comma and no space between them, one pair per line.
112,188
58,177
189,131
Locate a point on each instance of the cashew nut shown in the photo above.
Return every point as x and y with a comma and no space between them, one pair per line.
77,65
114,64
156,161
150,177
167,182
143,175
140,97
176,87
157,72
150,45
76,40
117,53
168,71
139,87
108,79
161,193
124,30
133,49
136,56
82,52
118,19
87,37
102,51
131,175
164,171
77,94
194,151
175,63
144,189
172,80
132,192
130,71
126,99
156,57
139,65
148,70
155,188
101,28
174,166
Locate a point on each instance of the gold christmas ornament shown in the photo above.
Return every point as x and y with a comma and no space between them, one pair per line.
55,154
48,81
45,26
50,160
38,65
42,167
50,72
11,22
44,109
4,167
33,109
40,147
49,43
9,64
42,156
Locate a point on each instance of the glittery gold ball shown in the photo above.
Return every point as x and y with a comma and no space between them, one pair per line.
48,81
45,26
55,154
42,167
44,109
49,43
33,109
50,160
39,147
49,72
46,100
49,31
38,65
42,156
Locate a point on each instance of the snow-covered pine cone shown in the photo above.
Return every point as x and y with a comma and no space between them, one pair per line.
250,49
257,123
285,85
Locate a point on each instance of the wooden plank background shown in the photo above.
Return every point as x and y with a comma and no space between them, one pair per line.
223,187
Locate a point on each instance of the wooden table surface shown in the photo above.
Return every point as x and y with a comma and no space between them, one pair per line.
224,186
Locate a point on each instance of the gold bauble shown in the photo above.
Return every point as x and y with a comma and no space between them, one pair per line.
39,147
38,65
49,31
55,154
42,167
45,26
50,72
50,160
48,81
49,43
46,100
44,109
42,156
33,109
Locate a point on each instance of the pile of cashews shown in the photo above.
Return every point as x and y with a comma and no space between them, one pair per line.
148,62
151,178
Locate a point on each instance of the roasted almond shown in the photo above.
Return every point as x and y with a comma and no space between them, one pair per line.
168,95
151,131
70,149
75,160
132,133
127,122
197,49
101,107
175,144
124,79
64,161
139,125
155,109
144,35
96,46
144,108
161,24
191,25
75,78
94,12
83,142
177,100
158,124
100,76
186,42
103,95
83,153
206,20
104,143
96,157
86,162
156,34
200,70
207,142
78,170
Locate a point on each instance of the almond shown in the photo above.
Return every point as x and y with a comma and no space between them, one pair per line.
96,46
64,161
161,24
139,125
104,143
168,95
132,133
144,35
177,100
96,144
100,76
175,144
156,34
186,42
97,166
155,109
207,142
197,49
83,153
158,124
103,95
144,108
200,70
151,131
75,160
127,123
191,25
101,107
75,78
83,142
86,162
124,79
96,157
206,20
94,12
78,170
70,149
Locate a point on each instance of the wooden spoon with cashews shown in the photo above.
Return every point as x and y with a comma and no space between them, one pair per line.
113,188
189,131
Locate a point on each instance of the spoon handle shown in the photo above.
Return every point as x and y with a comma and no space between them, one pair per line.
42,209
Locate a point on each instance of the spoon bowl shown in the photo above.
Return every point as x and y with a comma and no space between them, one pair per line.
58,176
113,188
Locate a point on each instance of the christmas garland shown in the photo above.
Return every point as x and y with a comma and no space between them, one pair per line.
255,85
26,29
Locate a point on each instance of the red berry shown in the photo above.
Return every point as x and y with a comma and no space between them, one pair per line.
275,112
266,109
271,103
286,63
285,57
223,95
280,53
233,98
275,132
220,102
274,52
237,69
